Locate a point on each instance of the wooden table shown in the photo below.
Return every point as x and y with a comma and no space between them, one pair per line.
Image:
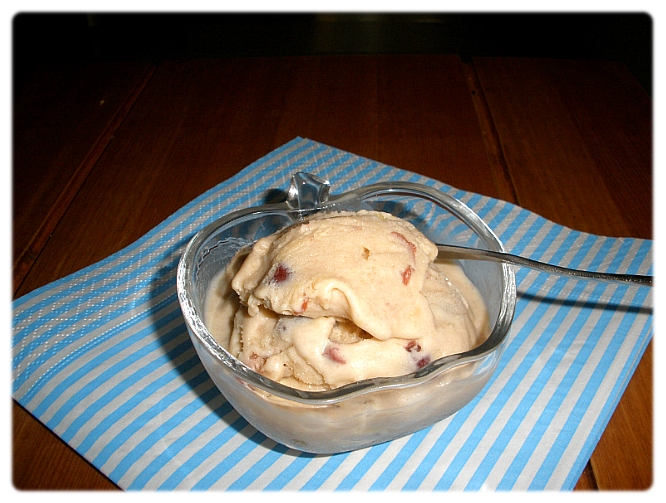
104,152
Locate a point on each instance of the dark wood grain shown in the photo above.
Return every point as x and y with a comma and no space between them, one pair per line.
577,139
587,480
43,461
63,119
533,132
429,125
333,100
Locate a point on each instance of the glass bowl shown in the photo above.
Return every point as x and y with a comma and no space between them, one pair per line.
366,412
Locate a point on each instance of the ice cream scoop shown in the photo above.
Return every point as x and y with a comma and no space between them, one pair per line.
341,297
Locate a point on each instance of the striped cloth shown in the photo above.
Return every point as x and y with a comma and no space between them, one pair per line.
102,357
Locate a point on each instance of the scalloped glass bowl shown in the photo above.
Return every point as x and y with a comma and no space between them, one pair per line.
367,412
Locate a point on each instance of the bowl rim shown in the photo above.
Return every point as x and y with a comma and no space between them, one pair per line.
351,197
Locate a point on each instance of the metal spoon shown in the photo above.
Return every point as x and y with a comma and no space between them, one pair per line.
476,254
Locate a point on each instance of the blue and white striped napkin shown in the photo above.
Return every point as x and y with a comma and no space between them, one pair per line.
102,357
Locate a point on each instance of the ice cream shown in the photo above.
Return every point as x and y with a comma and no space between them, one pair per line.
343,297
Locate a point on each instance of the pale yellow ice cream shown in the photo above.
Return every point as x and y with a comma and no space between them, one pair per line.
343,297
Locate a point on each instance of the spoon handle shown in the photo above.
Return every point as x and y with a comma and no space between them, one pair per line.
474,253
